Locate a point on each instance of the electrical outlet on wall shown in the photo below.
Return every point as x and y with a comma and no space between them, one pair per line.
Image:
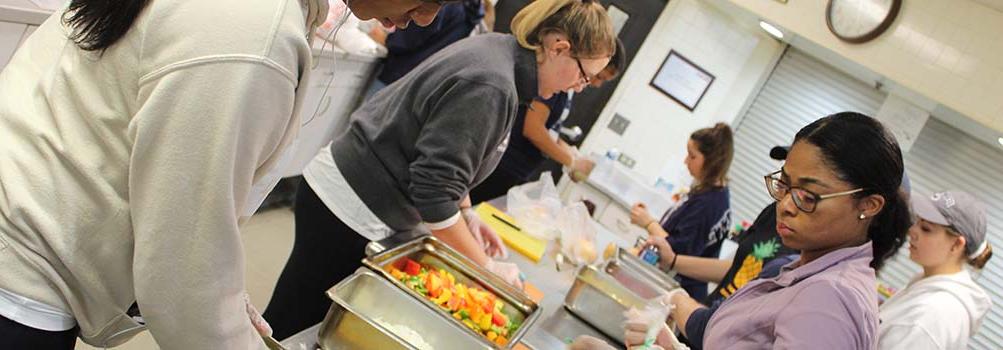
618,124
626,160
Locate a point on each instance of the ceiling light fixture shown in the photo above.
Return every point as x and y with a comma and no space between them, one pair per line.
773,30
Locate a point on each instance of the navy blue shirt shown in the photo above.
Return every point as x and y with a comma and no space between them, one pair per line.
406,48
522,157
696,227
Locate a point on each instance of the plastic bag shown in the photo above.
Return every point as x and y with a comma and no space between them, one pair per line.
646,329
578,234
537,207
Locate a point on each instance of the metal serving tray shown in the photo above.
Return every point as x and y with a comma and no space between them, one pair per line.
641,278
428,250
371,313
600,295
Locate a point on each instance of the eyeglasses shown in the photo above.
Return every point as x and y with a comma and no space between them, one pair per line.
581,68
805,200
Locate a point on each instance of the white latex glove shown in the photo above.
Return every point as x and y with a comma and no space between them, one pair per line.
588,342
486,237
581,168
636,327
509,272
259,322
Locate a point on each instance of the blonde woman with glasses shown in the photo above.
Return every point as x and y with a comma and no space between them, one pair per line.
413,151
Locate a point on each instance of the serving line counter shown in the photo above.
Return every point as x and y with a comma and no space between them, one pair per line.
556,325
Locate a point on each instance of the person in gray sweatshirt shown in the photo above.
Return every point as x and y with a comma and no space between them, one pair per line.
412,152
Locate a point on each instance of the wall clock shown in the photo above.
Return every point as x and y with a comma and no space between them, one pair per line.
859,21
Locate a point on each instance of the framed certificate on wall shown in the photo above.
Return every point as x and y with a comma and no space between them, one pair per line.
682,80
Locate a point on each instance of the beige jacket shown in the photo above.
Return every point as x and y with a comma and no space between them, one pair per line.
124,176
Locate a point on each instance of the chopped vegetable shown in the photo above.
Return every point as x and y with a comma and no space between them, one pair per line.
412,268
477,309
485,322
498,319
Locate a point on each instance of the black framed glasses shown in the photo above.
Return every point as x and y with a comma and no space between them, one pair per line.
581,68
804,199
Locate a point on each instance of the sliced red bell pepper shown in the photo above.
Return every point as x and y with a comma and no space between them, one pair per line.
498,319
412,268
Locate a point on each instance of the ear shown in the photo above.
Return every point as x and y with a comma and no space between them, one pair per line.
556,44
871,205
959,244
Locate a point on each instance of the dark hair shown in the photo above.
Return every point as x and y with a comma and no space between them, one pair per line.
716,146
98,24
864,154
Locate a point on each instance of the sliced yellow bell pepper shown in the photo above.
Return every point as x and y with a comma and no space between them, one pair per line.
444,297
485,322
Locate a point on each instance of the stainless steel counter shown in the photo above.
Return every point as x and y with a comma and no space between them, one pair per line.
556,327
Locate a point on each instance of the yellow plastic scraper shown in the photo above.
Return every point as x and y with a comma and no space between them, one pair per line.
532,247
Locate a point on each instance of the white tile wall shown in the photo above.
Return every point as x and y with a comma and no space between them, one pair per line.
947,50
737,55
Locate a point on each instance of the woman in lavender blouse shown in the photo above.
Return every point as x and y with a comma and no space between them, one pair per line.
838,203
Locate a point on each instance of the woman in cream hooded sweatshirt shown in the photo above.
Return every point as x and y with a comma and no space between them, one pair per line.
942,307
135,137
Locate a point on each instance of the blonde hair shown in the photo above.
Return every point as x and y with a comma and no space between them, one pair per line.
584,22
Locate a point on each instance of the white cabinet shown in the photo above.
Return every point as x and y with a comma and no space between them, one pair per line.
609,213
611,209
616,218
10,38
328,103
577,192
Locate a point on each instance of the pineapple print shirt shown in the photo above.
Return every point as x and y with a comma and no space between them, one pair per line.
757,246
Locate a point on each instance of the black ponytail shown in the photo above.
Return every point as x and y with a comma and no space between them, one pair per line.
893,218
864,154
98,24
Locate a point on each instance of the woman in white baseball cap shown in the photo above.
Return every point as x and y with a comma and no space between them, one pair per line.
942,307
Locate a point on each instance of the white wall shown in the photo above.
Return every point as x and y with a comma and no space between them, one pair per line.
738,55
946,50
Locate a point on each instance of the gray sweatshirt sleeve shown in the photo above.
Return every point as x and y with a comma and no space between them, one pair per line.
465,123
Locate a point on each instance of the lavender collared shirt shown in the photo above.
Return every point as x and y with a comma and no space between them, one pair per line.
829,303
